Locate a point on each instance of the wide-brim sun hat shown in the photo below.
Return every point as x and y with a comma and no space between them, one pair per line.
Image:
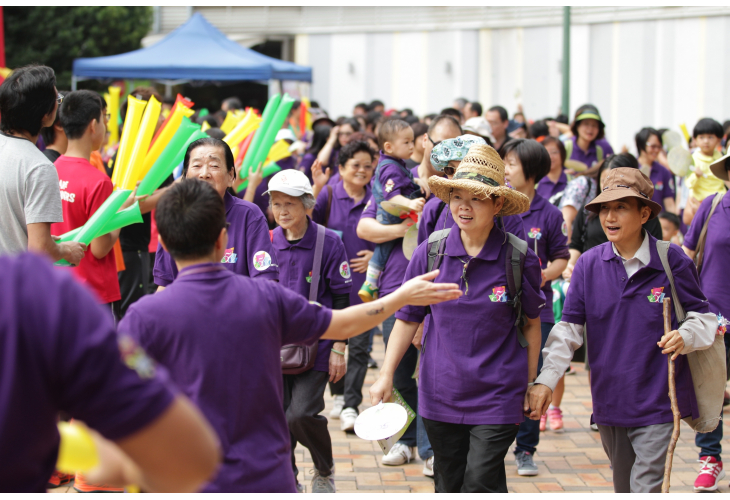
481,172
626,183
589,115
719,168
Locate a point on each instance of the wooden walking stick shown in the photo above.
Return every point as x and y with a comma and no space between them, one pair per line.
672,399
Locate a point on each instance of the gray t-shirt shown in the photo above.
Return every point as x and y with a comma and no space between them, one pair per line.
29,192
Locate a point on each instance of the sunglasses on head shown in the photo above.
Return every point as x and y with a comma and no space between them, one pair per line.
449,170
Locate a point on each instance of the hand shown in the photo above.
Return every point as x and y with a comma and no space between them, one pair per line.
671,342
115,467
425,189
537,400
418,337
381,390
419,291
319,177
624,149
256,177
334,133
338,367
360,264
568,272
403,227
73,251
132,198
417,204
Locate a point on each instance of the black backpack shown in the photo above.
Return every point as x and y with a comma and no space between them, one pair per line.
514,264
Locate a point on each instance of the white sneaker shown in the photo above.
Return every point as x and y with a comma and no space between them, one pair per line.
337,408
347,419
399,454
428,467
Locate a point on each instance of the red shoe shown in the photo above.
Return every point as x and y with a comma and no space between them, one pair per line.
82,486
555,415
710,474
59,479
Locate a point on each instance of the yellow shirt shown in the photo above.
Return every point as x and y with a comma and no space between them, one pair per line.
702,186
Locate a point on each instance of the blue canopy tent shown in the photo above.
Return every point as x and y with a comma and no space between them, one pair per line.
195,52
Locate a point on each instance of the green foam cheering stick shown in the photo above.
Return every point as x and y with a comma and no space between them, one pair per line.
282,112
269,169
123,218
266,118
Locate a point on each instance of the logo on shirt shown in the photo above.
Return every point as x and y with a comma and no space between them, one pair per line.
345,270
229,257
367,204
135,357
261,261
309,278
65,195
535,233
721,324
389,185
564,228
657,295
499,294
659,186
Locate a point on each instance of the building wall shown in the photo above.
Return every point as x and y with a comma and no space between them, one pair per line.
657,66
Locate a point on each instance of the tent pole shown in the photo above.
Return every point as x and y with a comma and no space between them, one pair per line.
168,89
74,81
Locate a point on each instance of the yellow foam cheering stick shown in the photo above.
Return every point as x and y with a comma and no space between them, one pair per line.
232,119
77,451
278,151
112,107
135,108
165,136
147,128
247,125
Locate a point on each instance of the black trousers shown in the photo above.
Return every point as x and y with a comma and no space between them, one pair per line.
469,458
134,280
357,368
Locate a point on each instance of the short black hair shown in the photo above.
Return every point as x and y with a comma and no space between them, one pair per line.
215,132
232,102
476,107
708,126
419,129
502,112
449,118
361,105
210,118
673,218
78,109
642,137
539,129
190,216
407,111
452,112
559,144
533,156
48,134
411,119
374,104
209,141
26,96
562,118
373,117
389,129
351,149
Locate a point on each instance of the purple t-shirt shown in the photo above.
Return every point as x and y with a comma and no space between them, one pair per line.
295,273
713,275
59,352
624,321
589,157
394,179
344,216
663,181
250,252
473,369
547,236
220,334
547,189
430,223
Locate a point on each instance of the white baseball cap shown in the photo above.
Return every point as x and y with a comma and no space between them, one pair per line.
291,182
480,126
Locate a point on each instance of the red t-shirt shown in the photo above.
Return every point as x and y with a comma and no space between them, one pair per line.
83,190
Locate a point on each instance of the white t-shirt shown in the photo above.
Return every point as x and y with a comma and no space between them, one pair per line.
29,192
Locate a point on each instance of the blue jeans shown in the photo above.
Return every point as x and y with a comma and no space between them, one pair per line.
710,442
403,380
380,254
528,437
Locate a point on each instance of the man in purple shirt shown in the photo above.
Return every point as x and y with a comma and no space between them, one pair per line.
59,352
220,334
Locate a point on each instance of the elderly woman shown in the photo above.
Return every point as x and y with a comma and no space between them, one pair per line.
616,291
302,247
474,373
339,208
250,252
649,145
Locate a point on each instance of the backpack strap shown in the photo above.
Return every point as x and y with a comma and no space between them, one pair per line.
436,246
568,148
662,248
700,254
329,206
317,264
440,209
515,264
599,154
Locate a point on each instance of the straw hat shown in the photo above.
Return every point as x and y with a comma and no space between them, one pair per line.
482,173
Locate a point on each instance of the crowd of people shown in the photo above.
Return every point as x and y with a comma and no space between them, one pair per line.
225,315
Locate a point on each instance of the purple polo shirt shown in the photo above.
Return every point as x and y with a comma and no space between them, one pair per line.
607,149
624,322
220,334
394,179
473,370
250,252
663,181
589,157
429,223
395,268
305,164
344,216
547,188
59,352
547,236
295,273
713,275
414,171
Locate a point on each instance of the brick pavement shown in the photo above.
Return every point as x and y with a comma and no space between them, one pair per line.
572,461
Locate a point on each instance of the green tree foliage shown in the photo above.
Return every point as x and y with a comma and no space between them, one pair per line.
55,36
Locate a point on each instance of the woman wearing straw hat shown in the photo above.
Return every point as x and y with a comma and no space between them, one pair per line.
474,373
617,290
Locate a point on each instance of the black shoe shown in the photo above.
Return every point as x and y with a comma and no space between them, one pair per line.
372,363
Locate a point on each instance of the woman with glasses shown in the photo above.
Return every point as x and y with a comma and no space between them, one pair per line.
649,145
339,137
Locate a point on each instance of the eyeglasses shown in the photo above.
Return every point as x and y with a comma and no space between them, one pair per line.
59,98
108,116
432,141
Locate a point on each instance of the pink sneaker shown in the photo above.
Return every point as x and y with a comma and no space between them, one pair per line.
543,422
556,419
710,474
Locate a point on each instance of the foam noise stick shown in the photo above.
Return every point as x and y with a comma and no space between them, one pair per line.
249,123
171,126
123,218
230,121
275,125
279,151
142,144
266,117
181,153
112,107
77,451
179,100
135,108
243,147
